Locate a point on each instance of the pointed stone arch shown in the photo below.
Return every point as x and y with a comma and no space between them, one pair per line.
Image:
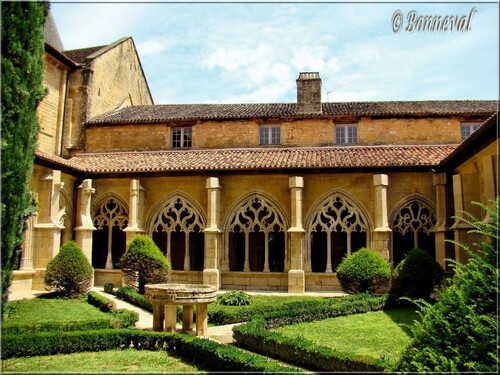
176,224
255,235
412,221
336,225
110,218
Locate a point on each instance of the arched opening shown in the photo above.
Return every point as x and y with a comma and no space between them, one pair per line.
110,217
177,229
256,236
412,227
337,229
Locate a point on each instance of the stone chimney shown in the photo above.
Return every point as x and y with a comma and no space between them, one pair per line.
309,93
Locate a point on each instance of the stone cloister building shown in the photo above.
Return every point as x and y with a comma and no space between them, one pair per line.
246,196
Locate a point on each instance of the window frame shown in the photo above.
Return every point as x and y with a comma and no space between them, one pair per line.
271,135
471,127
185,136
347,137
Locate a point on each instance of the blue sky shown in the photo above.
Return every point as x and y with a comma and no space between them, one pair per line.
253,52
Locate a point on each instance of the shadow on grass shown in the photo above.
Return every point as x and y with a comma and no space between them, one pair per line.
404,317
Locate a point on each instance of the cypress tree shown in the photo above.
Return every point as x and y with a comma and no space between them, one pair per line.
22,90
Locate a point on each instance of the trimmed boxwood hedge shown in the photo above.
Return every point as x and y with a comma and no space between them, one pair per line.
258,337
204,353
102,303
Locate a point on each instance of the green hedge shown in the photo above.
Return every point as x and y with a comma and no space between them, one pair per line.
135,298
21,328
258,337
101,302
206,354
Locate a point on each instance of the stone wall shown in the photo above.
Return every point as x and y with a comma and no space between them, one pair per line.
311,132
50,111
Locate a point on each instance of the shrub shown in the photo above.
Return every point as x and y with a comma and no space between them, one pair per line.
364,271
234,298
135,298
416,276
108,288
144,257
459,332
69,272
123,318
101,302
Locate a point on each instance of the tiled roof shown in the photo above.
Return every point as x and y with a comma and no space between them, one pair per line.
179,112
79,55
256,159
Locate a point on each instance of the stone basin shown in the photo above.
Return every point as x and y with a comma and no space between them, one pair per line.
166,297
180,294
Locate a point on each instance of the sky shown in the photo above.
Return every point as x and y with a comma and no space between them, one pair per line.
242,52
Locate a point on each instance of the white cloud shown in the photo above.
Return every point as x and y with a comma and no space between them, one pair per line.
151,46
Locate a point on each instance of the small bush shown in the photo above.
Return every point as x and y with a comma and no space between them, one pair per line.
123,318
69,272
108,288
234,298
102,303
144,257
364,271
416,276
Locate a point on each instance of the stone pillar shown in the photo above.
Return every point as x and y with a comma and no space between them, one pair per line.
382,232
439,181
84,226
489,179
136,211
460,228
296,275
49,220
213,234
27,263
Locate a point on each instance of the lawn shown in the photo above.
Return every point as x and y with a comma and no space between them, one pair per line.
112,361
381,334
40,310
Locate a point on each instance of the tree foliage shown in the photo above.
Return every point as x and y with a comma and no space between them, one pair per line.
459,332
144,257
22,90
69,272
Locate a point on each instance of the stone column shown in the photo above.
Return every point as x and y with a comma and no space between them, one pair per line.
49,221
489,174
85,227
136,211
460,228
439,181
382,233
27,263
213,234
296,275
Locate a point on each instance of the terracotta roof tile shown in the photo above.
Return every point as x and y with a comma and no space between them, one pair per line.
255,159
79,55
179,112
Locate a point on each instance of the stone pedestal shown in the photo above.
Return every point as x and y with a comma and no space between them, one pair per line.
166,297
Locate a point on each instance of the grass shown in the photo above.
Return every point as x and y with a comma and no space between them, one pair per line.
40,310
381,334
112,361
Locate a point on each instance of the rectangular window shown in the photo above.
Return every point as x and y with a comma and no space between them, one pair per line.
270,135
468,128
346,134
181,137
